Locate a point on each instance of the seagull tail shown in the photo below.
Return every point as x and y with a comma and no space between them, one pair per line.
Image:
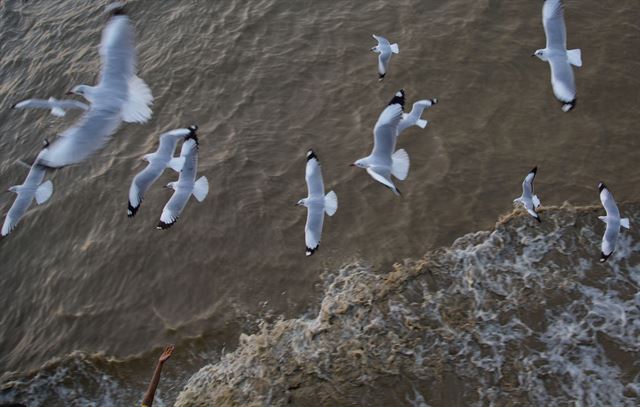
44,192
137,107
624,222
201,188
395,49
400,164
575,57
422,123
331,203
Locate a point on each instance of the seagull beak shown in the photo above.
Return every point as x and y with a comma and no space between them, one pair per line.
533,55
352,165
69,93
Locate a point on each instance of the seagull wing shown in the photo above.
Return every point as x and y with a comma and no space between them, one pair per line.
554,27
313,228
140,184
168,142
173,208
313,175
609,204
17,210
527,184
382,41
562,80
385,132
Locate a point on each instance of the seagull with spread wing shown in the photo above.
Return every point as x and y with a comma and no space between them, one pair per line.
560,60
317,203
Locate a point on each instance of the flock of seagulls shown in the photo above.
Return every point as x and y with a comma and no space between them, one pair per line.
121,96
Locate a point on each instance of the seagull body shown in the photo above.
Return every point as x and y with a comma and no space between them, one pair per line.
317,203
383,161
612,220
385,49
117,94
186,184
560,60
58,107
529,200
32,188
413,118
158,161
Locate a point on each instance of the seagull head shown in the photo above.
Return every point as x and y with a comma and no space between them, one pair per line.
171,185
541,53
302,202
81,90
361,163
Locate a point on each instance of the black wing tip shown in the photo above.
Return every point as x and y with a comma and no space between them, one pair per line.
192,136
164,226
601,186
131,210
192,128
117,8
381,76
398,98
538,219
309,251
13,106
604,257
434,101
569,106
311,155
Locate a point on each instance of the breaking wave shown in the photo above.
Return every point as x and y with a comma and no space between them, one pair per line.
521,315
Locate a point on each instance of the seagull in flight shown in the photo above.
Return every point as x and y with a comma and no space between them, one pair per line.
58,107
317,203
560,60
529,200
385,49
612,220
158,161
32,188
186,184
384,161
413,118
119,95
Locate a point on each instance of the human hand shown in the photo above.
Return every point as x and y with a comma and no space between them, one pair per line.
166,354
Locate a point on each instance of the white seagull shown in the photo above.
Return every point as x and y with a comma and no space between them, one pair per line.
383,162
158,161
560,60
58,107
186,184
119,95
32,188
529,200
413,118
385,49
612,220
317,203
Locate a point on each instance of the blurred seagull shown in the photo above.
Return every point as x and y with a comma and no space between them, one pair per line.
186,184
612,220
158,161
383,161
119,95
32,188
317,203
58,107
413,118
385,50
560,60
530,201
